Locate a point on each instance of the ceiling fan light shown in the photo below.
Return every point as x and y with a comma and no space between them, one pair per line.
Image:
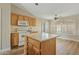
55,18
36,4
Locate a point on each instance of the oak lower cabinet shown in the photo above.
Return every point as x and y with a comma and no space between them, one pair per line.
48,47
36,47
14,40
33,46
30,49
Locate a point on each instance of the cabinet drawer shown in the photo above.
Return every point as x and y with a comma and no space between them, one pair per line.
34,43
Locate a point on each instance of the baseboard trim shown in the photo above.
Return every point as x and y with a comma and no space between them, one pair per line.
7,49
67,39
0,50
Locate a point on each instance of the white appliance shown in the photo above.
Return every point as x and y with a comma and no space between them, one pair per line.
22,30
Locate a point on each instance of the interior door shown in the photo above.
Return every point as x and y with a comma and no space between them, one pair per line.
0,30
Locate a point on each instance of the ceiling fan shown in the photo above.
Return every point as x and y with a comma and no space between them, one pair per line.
56,17
36,4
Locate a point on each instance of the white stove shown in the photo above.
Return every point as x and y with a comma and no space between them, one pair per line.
22,30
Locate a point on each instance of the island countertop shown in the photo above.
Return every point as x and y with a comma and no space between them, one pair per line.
42,36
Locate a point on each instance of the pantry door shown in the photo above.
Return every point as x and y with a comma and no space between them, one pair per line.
0,30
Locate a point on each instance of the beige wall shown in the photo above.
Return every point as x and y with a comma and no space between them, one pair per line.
0,29
38,25
70,24
5,26
74,21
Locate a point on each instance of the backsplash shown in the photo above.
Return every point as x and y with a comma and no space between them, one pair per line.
14,28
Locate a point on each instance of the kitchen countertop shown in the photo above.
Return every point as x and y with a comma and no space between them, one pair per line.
14,32
41,36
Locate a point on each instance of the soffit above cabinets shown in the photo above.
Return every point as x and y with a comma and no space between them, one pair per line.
48,10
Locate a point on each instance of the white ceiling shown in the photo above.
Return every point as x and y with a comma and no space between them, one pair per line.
48,10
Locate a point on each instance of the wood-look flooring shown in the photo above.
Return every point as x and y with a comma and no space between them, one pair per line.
18,51
63,47
67,47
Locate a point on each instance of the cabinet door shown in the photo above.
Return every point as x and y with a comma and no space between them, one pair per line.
30,49
26,18
32,21
20,17
35,43
14,19
14,39
48,47
34,47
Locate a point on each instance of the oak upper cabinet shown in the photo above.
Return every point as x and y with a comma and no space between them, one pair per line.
20,17
14,40
26,18
14,19
32,21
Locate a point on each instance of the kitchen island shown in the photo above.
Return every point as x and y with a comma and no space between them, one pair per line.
40,44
